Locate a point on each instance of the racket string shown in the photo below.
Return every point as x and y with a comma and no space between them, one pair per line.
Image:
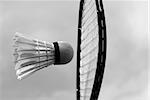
84,36
85,12
85,29
86,19
87,3
90,31
86,42
89,23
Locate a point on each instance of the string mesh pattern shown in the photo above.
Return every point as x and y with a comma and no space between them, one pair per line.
91,49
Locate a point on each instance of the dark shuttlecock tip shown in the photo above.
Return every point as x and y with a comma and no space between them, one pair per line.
63,53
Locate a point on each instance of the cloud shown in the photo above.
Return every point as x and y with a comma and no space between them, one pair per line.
133,89
57,95
60,95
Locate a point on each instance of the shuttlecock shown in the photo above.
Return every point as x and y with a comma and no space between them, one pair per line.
32,55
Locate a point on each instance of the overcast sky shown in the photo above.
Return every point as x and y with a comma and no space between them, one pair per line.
126,73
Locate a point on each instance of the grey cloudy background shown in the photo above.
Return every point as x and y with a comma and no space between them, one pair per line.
126,73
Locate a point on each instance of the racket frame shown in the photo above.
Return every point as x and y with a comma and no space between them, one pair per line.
101,53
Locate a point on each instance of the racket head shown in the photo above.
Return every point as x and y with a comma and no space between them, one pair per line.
91,49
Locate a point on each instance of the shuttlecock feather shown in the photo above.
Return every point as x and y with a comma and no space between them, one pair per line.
32,55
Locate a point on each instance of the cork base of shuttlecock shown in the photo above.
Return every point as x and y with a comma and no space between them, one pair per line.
66,52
